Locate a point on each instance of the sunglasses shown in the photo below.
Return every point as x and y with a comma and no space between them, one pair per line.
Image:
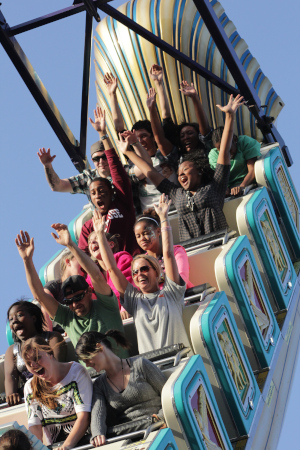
76,298
97,158
143,269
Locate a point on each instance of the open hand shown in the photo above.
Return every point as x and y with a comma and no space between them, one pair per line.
111,83
162,208
98,222
45,157
232,105
100,123
151,98
25,245
64,237
188,90
156,73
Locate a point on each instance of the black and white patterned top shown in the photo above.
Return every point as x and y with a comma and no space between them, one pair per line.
75,395
207,215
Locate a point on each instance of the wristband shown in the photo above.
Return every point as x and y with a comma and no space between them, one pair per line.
102,138
166,228
166,220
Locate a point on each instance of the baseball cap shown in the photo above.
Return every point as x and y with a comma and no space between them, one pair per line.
97,147
74,284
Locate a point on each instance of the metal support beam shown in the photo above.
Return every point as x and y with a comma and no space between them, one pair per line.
85,83
39,93
167,48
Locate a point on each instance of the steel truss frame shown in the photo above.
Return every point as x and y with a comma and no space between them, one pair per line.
76,150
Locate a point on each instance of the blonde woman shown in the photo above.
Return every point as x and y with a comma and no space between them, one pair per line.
58,397
157,313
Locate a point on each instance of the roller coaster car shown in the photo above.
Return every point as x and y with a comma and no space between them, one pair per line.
222,392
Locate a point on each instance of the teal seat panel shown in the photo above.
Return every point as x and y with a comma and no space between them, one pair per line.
279,181
221,337
163,441
197,408
245,281
265,231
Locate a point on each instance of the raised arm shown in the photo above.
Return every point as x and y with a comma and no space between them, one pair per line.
100,126
83,259
57,184
162,210
112,86
190,91
119,280
25,247
147,169
164,145
157,76
139,150
230,110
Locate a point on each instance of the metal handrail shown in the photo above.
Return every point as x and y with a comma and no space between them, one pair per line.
145,433
200,297
176,358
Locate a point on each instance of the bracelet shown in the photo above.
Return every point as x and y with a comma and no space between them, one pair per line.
166,228
166,220
136,142
102,138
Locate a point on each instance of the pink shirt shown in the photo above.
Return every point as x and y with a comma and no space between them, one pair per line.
123,260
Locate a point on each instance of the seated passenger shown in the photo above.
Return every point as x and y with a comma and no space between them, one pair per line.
128,392
200,199
244,152
15,440
25,320
123,260
157,314
115,203
79,313
57,398
147,230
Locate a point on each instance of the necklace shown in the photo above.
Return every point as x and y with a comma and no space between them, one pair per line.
120,390
191,200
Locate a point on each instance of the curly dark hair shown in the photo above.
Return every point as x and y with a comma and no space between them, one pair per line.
200,161
33,310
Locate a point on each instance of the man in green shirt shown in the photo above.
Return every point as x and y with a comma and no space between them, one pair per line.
79,313
244,152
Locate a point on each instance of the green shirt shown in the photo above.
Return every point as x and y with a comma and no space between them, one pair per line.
104,315
247,148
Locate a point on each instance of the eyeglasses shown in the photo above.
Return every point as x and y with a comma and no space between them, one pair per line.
76,298
143,269
97,158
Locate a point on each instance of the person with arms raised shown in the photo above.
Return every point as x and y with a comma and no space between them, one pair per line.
79,313
157,313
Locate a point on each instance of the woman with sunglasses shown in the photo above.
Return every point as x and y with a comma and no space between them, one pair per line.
127,395
25,320
157,313
57,398
115,201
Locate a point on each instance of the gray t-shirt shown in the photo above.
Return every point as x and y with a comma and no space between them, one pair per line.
157,316
140,399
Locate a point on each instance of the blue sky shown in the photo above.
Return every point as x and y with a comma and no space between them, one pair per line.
56,52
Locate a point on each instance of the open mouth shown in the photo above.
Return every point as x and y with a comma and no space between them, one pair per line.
184,181
19,330
100,204
40,371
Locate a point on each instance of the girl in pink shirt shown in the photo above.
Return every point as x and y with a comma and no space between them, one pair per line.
147,232
123,260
